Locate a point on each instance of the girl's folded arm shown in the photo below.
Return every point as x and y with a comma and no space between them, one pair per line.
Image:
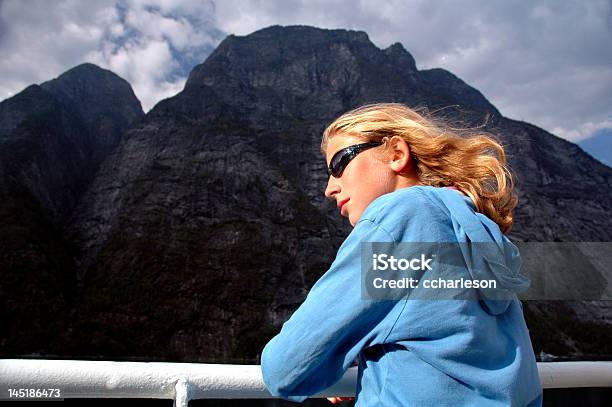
325,334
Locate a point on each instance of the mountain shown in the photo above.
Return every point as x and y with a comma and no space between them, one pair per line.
102,100
53,138
206,225
599,145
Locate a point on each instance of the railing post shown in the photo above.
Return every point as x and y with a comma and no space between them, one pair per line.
181,396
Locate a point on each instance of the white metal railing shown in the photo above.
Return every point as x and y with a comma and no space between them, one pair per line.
186,381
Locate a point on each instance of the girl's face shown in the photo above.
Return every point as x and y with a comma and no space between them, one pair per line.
367,176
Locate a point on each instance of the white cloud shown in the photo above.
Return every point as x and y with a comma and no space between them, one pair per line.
152,44
176,29
38,43
145,64
585,130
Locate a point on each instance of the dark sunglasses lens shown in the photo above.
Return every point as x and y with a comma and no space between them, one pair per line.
336,163
340,161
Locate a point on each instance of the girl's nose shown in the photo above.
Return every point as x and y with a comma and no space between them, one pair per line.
332,187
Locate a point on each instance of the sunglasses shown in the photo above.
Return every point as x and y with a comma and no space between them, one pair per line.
341,159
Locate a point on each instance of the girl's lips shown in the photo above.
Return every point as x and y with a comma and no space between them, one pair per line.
342,206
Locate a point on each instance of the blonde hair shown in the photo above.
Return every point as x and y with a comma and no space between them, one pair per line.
468,159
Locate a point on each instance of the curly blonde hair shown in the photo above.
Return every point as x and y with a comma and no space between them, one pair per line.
470,160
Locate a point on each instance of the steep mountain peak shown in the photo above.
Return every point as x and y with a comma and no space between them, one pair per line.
278,46
104,101
402,57
86,78
309,32
86,68
325,72
314,74
95,91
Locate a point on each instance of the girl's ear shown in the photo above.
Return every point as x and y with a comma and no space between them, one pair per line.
401,158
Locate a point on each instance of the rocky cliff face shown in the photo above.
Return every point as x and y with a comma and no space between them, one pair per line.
53,137
206,226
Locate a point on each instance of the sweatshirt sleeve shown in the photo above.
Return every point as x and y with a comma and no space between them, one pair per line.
326,333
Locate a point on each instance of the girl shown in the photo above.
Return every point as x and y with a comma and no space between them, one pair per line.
399,178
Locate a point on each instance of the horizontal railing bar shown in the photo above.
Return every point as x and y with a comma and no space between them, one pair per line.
557,375
109,379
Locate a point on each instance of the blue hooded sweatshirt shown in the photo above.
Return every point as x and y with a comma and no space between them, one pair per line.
410,352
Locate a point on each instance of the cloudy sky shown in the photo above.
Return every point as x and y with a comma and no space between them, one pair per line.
545,62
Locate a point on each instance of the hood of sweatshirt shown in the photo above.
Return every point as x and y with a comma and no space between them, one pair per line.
487,252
